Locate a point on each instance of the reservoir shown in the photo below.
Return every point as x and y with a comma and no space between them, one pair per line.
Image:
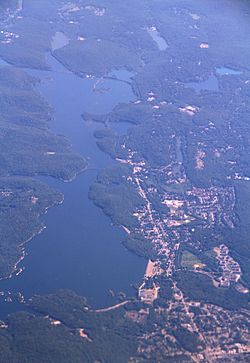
210,84
155,35
80,249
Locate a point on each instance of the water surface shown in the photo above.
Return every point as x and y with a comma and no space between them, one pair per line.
160,41
3,63
80,249
227,71
59,40
210,84
122,75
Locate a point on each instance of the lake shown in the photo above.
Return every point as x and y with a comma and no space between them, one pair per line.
210,84
159,40
80,249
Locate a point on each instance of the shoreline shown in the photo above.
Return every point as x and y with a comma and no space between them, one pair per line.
43,226
15,270
22,245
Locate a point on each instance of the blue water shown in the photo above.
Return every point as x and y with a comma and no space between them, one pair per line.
160,41
210,84
227,71
59,40
3,63
80,249
122,75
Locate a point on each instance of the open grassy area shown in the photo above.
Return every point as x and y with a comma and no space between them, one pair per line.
189,260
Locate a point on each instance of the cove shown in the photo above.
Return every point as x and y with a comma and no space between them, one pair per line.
79,249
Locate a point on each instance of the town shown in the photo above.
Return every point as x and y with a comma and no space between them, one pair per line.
169,229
